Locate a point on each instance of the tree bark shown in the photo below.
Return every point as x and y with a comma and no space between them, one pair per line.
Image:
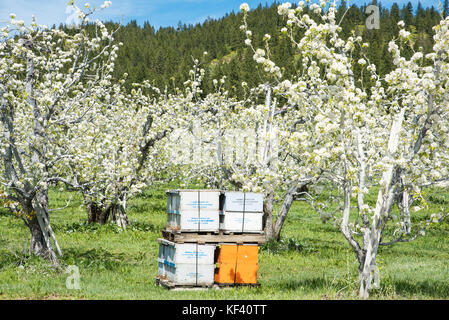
268,215
38,221
40,244
119,216
98,213
366,276
282,215
385,199
404,202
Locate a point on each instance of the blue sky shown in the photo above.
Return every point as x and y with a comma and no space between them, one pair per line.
157,12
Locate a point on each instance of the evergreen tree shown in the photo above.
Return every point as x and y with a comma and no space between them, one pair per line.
164,56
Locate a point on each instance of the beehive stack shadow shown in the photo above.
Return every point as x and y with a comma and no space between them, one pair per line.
211,239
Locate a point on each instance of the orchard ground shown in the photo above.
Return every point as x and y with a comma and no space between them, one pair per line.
312,261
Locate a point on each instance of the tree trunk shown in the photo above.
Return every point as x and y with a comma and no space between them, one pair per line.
366,276
95,213
404,203
369,274
37,207
98,213
385,199
268,216
38,221
40,242
119,216
282,215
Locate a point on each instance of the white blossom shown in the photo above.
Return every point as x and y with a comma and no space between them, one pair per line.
106,4
244,7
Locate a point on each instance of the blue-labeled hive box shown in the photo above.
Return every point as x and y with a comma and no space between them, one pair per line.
193,210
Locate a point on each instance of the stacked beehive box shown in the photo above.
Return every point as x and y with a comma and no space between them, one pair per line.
187,264
211,237
241,212
236,264
193,210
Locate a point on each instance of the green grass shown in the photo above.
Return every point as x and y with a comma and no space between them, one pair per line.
313,260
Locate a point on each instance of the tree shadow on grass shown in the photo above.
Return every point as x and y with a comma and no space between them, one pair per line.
324,228
313,283
93,259
96,259
402,288
144,226
85,227
336,245
428,288
320,287
13,258
309,284
145,208
9,258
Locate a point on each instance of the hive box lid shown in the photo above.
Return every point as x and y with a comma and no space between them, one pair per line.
191,190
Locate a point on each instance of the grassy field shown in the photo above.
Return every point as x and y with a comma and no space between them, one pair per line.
313,261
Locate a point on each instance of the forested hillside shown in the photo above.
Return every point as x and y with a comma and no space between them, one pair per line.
165,56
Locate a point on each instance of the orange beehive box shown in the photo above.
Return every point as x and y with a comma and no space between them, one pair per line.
227,273
232,253
237,264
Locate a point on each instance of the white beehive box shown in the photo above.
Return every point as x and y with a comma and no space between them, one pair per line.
186,263
192,200
243,201
241,212
194,221
193,210
188,274
186,252
248,222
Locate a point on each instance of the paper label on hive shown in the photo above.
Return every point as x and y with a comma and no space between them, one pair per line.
193,274
194,254
202,220
240,219
201,204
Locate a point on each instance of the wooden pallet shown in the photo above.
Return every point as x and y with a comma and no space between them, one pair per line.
209,237
176,287
173,286
226,285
